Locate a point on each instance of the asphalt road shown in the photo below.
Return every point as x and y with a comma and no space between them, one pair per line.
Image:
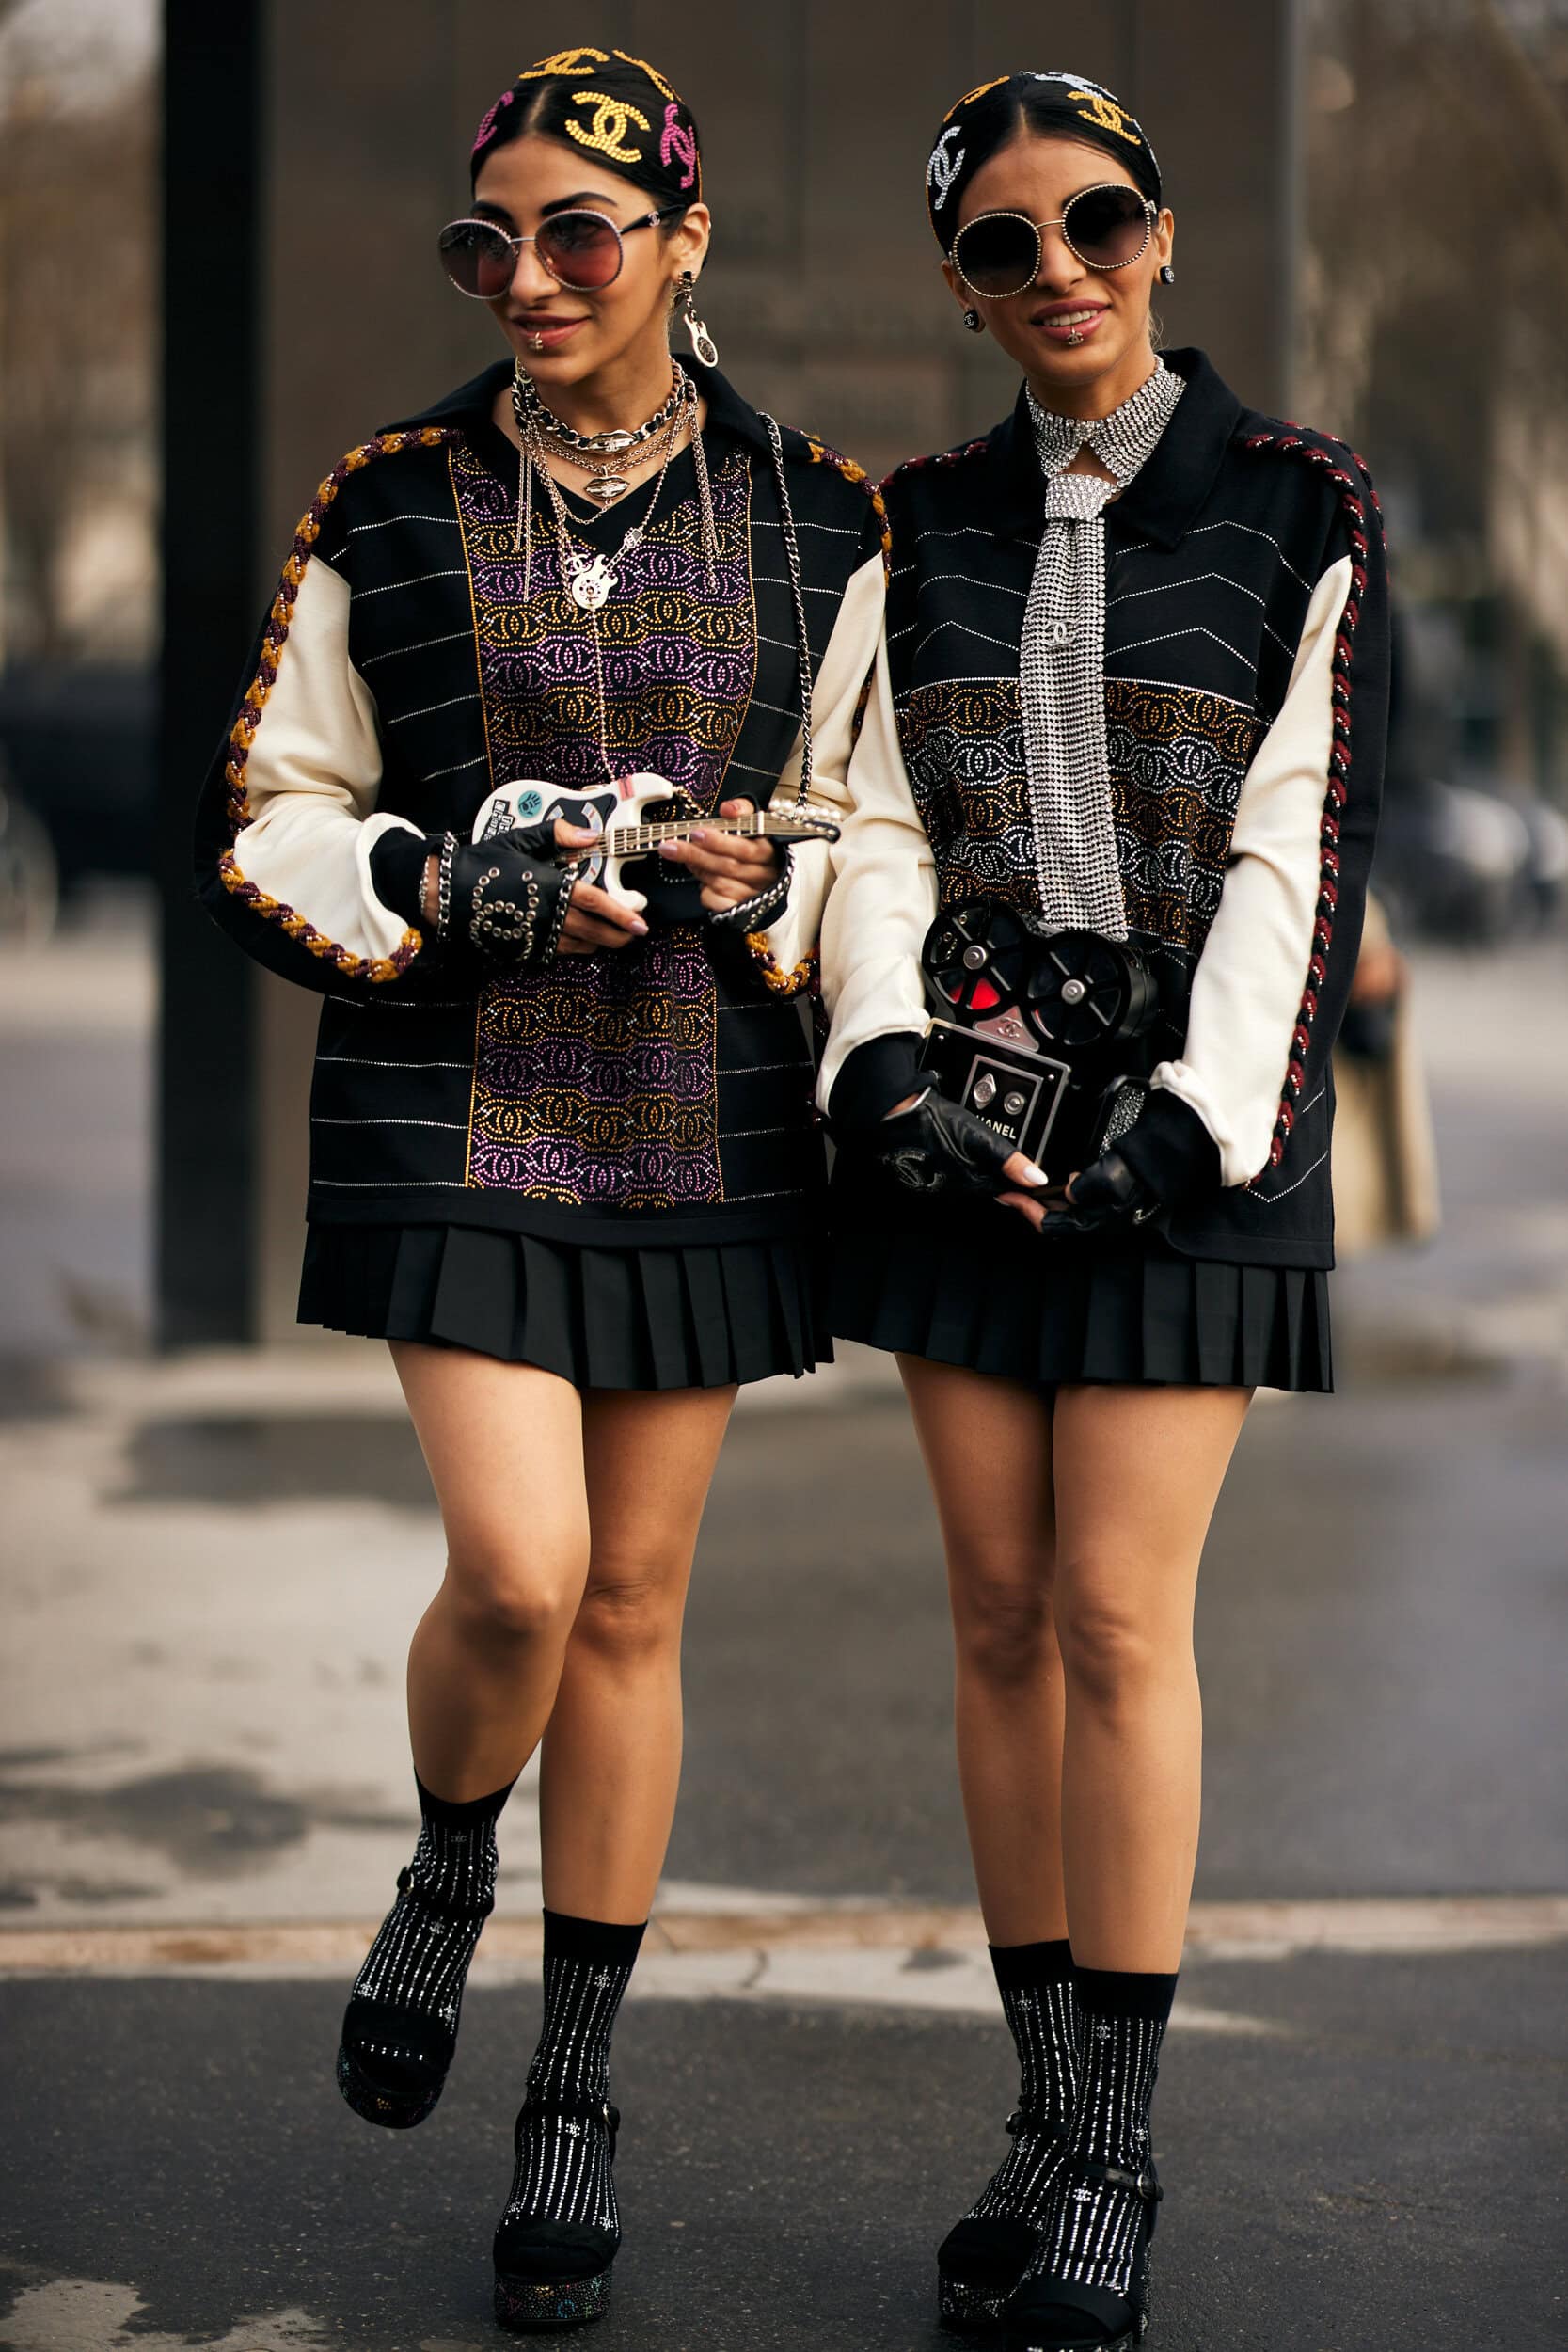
1382,2171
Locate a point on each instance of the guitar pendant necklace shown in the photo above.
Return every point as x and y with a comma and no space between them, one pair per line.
587,575
592,581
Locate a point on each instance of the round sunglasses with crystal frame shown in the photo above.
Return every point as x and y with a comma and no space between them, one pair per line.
582,251
1108,227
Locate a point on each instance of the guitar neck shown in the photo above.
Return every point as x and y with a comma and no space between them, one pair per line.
632,840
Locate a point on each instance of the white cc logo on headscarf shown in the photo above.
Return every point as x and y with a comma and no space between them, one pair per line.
944,169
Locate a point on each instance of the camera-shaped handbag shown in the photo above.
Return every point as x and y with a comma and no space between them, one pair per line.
1031,1031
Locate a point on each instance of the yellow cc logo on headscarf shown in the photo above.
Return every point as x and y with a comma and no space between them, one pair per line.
564,62
608,130
1109,116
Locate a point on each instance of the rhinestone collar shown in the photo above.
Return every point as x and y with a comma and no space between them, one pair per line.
1124,442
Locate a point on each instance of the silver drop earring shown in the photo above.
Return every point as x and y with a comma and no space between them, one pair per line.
1167,275
973,321
703,345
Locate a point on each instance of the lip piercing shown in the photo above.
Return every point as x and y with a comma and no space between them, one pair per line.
1074,336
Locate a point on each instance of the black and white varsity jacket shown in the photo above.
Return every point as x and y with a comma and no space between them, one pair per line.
1246,685
662,1094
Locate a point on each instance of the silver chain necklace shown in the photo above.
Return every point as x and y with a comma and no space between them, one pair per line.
594,453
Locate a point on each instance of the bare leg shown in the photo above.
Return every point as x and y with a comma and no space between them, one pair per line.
611,1762
504,1446
1137,1473
987,1444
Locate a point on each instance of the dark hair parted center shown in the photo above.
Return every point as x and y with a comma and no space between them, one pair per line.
1051,105
620,111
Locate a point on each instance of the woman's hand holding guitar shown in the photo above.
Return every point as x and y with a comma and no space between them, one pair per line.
731,868
593,919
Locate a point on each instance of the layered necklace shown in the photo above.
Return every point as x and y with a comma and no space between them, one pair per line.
594,454
589,576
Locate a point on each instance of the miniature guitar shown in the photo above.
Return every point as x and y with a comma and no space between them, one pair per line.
615,813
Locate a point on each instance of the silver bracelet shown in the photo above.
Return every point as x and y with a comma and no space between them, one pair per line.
443,884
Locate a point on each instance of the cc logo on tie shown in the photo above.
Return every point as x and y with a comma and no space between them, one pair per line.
608,130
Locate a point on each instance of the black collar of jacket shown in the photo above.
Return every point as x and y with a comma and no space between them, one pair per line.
1165,500
726,410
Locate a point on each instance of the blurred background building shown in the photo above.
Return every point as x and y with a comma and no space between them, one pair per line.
1373,206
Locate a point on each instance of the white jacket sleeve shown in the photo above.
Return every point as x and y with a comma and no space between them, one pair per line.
1246,990
882,900
784,948
312,776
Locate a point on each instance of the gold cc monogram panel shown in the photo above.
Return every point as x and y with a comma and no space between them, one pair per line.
608,130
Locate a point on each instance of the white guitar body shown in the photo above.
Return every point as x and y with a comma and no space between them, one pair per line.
618,813
609,807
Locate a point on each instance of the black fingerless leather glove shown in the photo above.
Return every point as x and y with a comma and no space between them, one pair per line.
938,1147
1106,1193
1167,1157
504,900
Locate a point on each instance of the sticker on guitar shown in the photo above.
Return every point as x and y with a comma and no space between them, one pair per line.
617,813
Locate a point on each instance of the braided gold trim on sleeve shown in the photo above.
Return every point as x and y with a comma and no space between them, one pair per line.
243,733
773,973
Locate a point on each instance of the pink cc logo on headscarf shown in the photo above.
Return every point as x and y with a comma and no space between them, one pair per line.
486,129
677,140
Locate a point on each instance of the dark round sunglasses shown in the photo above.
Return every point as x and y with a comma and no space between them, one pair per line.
582,250
997,254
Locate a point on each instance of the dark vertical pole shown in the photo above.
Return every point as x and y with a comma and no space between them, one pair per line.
212,145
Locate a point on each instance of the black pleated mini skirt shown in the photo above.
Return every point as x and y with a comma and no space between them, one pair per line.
981,1290
601,1318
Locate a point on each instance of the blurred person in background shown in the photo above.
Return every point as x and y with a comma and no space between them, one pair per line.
1385,1153
563,1154
1132,690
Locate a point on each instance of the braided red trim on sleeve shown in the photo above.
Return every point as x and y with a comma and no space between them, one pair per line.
821,454
943,457
243,733
1328,457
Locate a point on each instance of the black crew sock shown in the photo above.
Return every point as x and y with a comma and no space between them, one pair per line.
563,2159
1093,2239
400,2024
1040,2007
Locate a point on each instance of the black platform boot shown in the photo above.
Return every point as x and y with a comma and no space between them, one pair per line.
983,2257
548,2273
1087,2288
1049,2313
561,2231
400,2028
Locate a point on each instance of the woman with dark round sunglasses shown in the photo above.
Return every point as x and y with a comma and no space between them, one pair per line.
1127,734
564,1156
